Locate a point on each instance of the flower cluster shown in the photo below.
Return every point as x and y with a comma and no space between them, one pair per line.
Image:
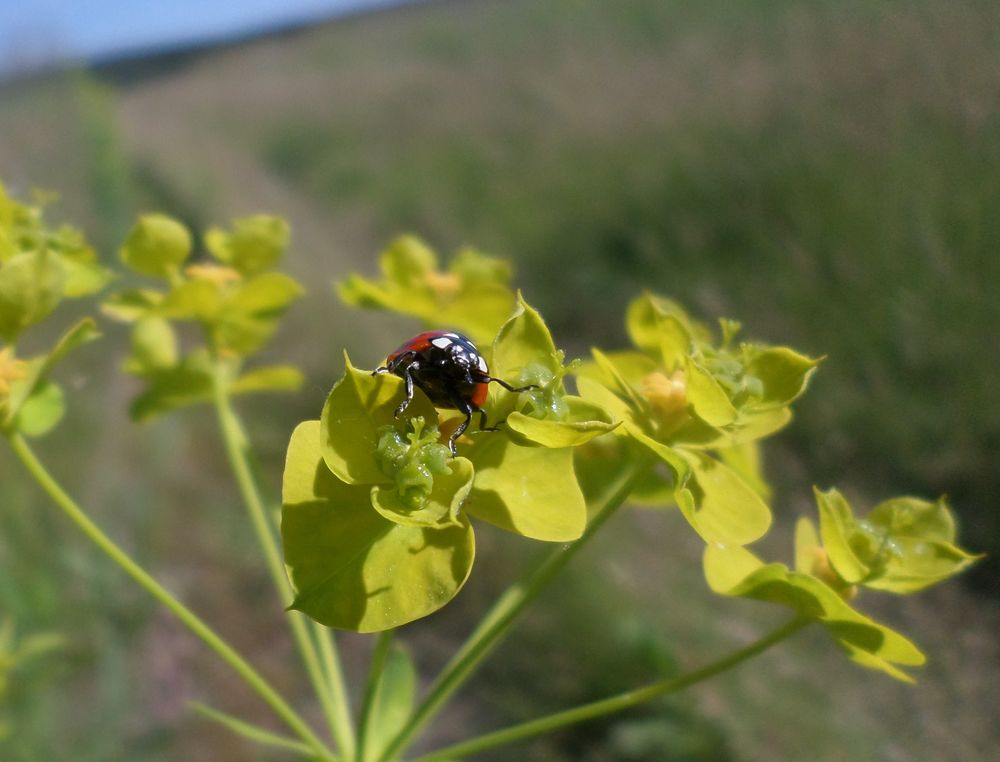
235,296
376,517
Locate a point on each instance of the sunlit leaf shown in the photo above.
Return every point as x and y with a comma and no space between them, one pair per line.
746,460
737,572
358,406
783,373
837,525
528,490
719,505
707,397
524,339
586,421
351,567
807,547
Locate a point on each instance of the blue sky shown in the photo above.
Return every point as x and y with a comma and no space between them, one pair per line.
33,32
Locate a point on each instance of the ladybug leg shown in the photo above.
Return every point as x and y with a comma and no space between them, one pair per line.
463,407
484,427
508,387
408,380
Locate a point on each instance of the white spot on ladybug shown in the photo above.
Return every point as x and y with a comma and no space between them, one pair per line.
441,342
482,365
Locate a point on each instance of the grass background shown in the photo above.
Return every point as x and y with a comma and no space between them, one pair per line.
826,172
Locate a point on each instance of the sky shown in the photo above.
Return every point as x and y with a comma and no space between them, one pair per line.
34,33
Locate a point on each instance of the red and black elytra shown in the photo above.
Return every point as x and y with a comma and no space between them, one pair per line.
448,368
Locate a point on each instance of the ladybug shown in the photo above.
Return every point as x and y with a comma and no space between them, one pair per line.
450,371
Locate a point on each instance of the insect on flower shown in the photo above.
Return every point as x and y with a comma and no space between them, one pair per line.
450,371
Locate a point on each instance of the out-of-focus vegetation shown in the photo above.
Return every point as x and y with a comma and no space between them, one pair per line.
827,172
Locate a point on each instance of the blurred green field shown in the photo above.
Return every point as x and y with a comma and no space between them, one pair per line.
828,173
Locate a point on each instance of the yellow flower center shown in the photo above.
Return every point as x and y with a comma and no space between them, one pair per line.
667,395
822,570
444,285
11,369
218,274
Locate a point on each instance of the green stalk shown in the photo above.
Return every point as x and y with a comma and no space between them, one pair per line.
498,621
613,704
237,448
379,656
155,589
337,684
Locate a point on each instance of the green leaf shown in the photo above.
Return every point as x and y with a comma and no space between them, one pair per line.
154,346
84,278
632,366
916,563
707,397
643,318
156,246
351,567
131,304
42,411
523,340
735,571
393,700
913,517
620,384
783,372
697,434
596,393
271,378
358,406
745,459
195,299
527,490
586,421
31,286
442,507
472,296
719,505
675,342
407,261
726,567
807,547
674,461
837,525
39,368
269,293
187,383
255,244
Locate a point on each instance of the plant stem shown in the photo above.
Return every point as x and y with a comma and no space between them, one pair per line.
379,656
612,704
338,686
154,588
499,619
250,731
238,449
